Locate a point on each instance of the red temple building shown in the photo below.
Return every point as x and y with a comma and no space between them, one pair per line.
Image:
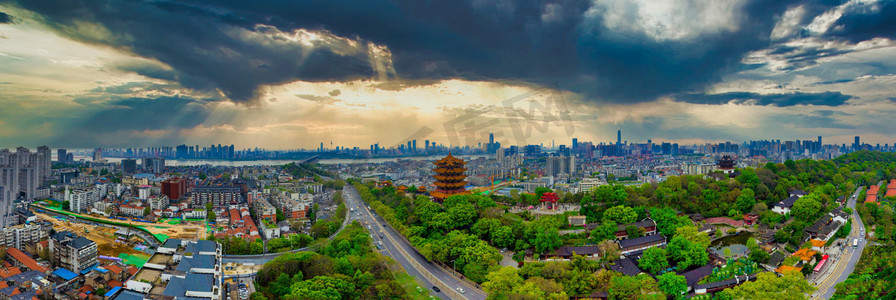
551,198
449,178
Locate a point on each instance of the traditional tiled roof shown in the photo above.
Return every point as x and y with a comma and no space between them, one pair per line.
785,269
804,254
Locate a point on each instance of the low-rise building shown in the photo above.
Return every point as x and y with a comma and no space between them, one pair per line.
131,210
641,243
576,220
159,202
194,213
179,270
264,209
217,195
825,227
22,260
783,207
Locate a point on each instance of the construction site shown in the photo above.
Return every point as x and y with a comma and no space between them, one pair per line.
106,241
123,243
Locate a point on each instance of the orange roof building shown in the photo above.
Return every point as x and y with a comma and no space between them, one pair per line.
5,273
784,269
872,194
25,260
817,243
804,254
449,178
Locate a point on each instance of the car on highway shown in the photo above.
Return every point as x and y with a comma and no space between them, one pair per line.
461,290
436,289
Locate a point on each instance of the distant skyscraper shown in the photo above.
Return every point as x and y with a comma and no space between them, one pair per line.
819,142
414,146
154,164
857,144
97,154
61,156
427,145
575,144
618,137
44,162
129,166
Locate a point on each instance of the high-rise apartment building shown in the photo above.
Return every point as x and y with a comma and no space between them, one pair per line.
174,188
97,154
73,252
21,173
154,164
44,163
128,166
61,156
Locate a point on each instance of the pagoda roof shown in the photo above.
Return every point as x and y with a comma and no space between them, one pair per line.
443,195
449,160
449,170
450,177
450,184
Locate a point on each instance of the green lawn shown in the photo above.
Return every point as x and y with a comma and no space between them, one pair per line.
134,260
411,286
161,237
174,222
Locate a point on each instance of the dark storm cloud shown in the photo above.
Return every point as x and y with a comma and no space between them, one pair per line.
4,18
780,100
834,81
199,43
448,39
866,21
149,70
521,41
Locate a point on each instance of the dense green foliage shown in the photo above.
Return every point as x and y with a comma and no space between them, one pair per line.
343,268
874,276
442,231
306,170
769,286
460,232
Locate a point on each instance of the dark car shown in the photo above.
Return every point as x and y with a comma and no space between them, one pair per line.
436,289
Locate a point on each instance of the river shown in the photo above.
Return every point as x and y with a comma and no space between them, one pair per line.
270,162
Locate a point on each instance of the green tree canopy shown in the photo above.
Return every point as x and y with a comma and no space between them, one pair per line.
672,284
769,286
654,260
620,214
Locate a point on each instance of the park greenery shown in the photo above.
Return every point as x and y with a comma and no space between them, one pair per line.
464,232
791,285
304,170
342,268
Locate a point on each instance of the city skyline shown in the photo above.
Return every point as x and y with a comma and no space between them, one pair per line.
285,76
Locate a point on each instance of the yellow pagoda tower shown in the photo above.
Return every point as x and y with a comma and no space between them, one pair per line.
449,178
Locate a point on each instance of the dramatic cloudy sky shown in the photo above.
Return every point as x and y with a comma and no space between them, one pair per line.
288,74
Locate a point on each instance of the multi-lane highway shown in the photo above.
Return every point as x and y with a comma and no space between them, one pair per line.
393,245
847,261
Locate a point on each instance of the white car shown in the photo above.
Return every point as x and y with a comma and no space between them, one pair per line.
461,290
